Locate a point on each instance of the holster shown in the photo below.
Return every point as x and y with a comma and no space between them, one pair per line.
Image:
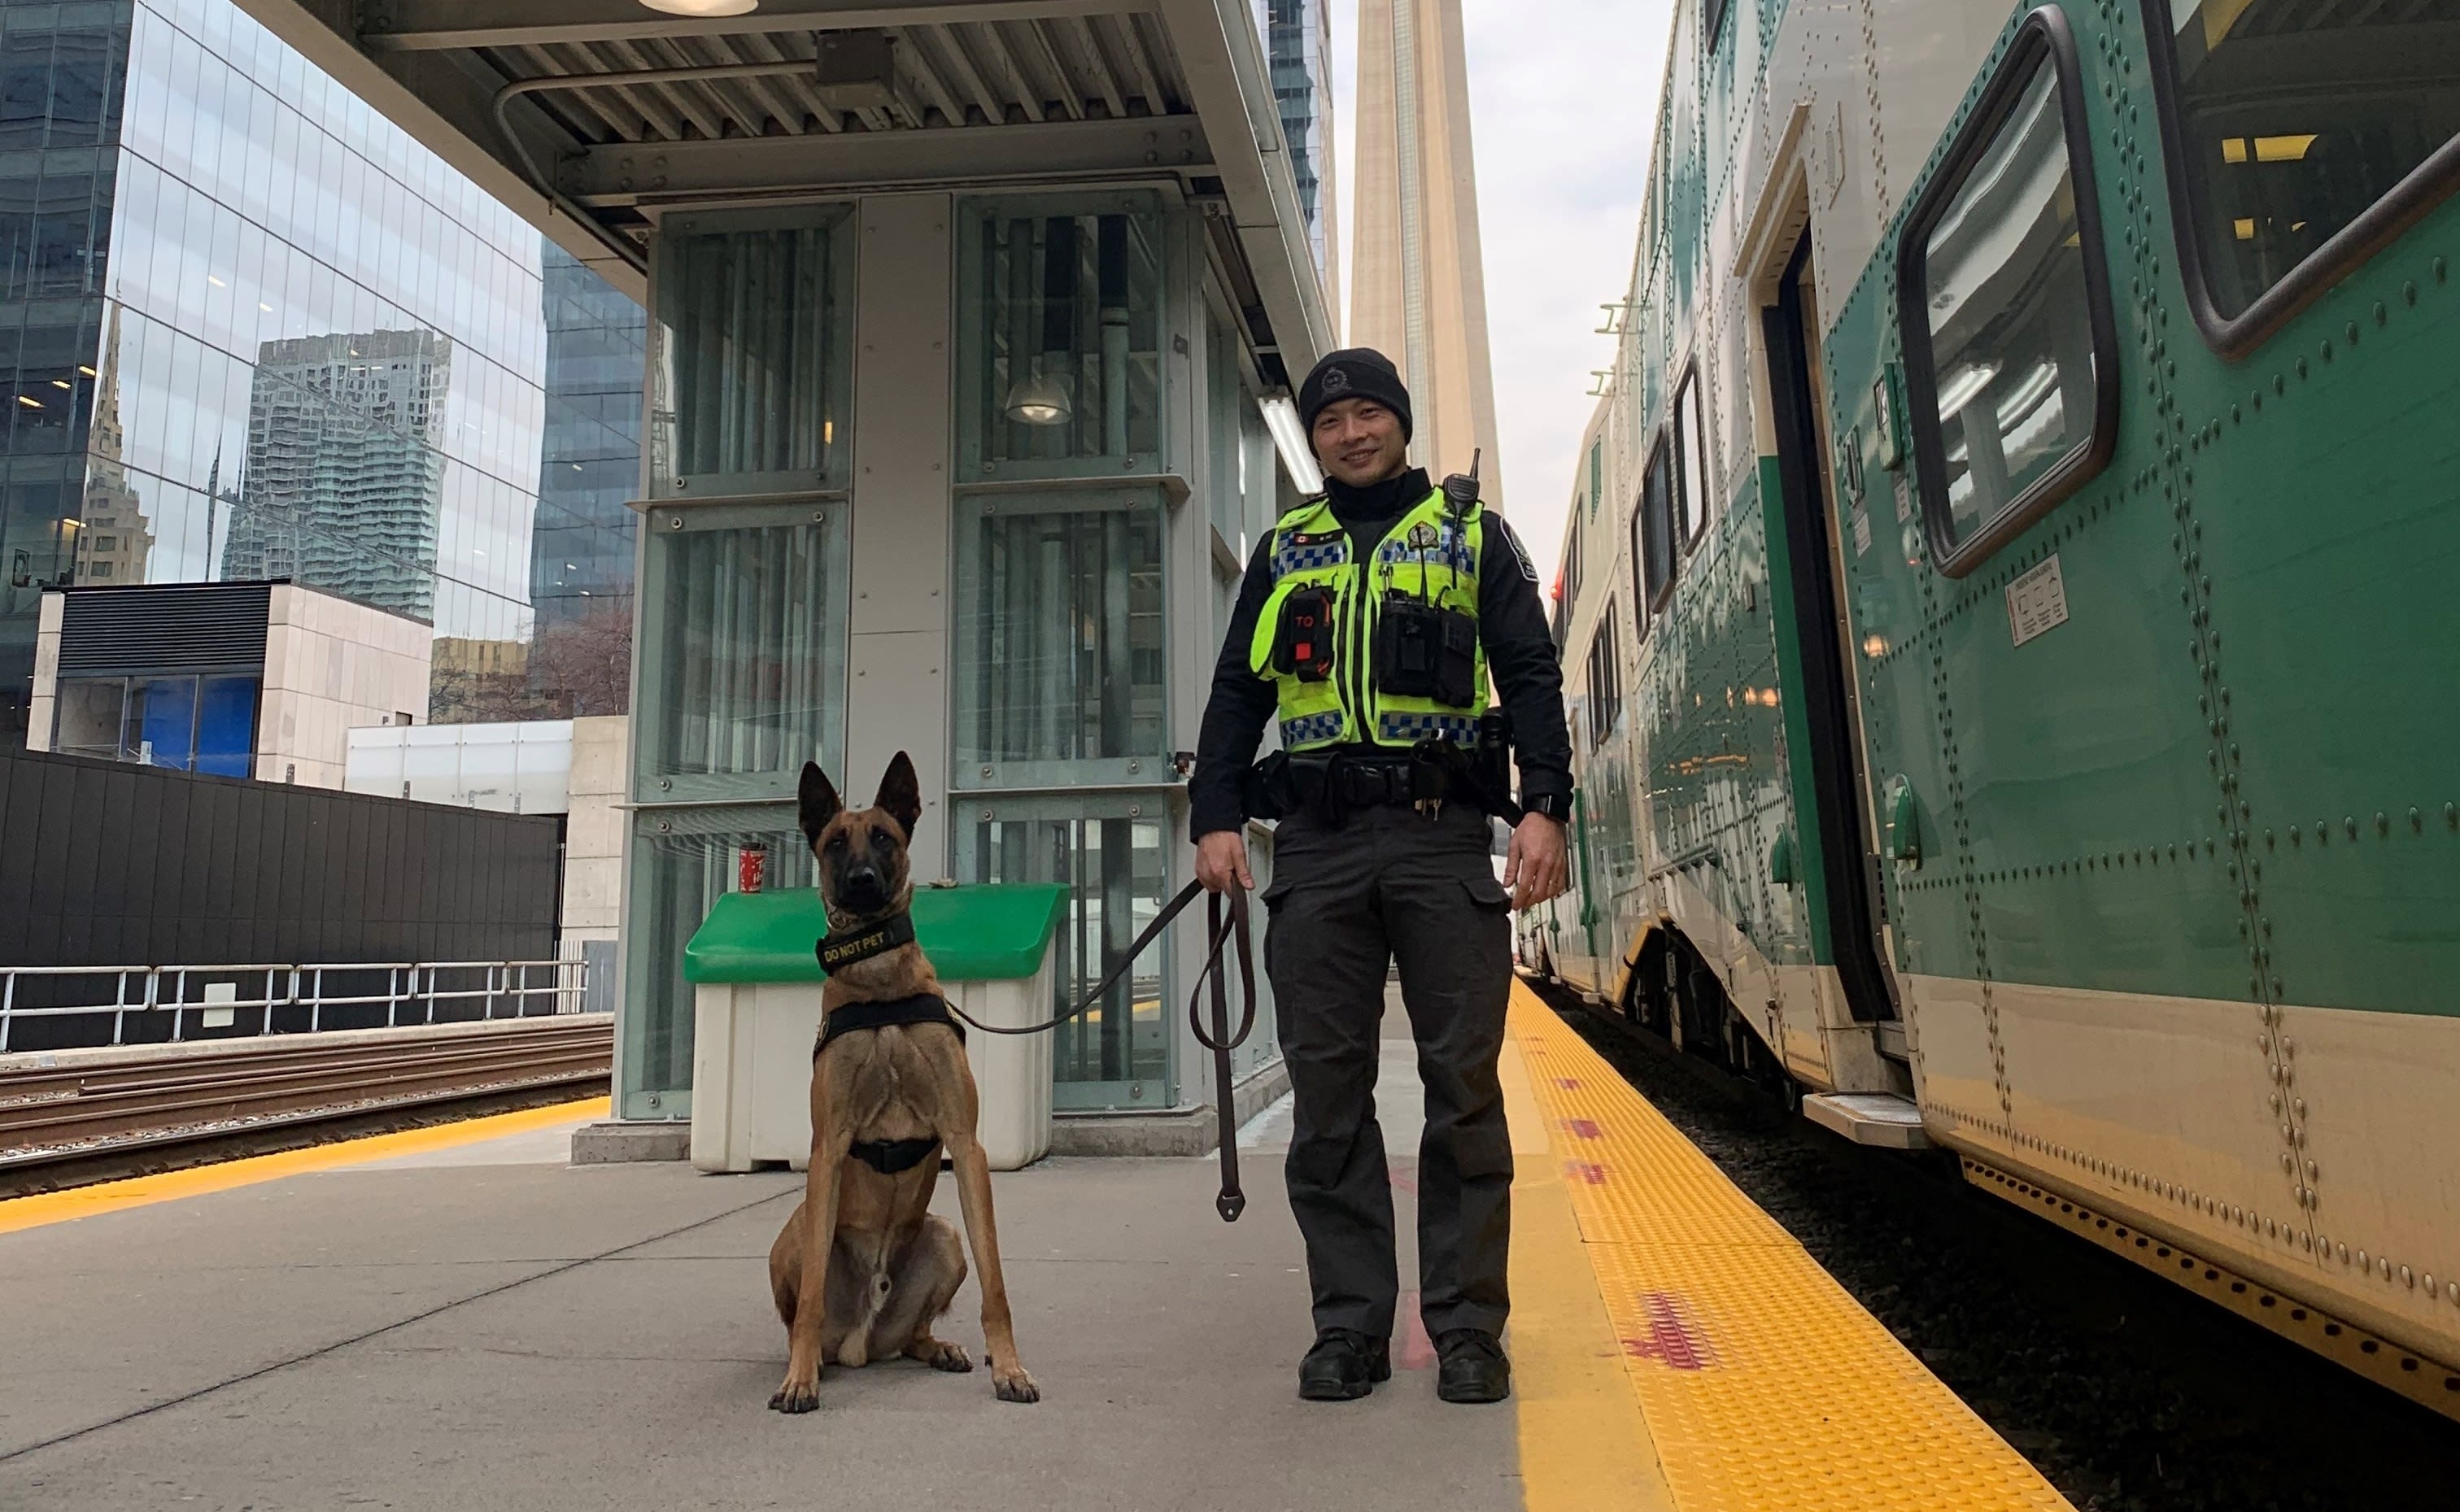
1265,791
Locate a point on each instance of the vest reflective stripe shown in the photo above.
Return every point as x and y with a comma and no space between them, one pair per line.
1311,550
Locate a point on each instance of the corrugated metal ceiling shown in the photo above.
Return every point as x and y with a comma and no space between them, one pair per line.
946,77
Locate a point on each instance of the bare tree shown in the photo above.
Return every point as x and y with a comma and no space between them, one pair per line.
585,664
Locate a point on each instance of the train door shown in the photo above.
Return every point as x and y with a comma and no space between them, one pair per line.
1849,863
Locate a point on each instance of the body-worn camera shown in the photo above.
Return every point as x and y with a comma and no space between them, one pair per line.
1302,642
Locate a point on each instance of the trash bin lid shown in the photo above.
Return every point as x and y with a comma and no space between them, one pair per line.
969,933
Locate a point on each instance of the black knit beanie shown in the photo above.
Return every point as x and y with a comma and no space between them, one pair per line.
1355,373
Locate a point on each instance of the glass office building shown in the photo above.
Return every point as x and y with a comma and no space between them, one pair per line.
1297,53
249,328
582,550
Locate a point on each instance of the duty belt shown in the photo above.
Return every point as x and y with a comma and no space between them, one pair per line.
1355,782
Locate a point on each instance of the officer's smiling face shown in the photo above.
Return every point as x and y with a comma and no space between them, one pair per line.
1359,442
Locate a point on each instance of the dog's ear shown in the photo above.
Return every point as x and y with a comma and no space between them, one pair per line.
900,795
819,801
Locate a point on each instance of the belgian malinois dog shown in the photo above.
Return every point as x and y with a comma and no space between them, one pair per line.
862,1269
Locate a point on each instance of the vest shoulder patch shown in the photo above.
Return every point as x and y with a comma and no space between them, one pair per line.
1520,553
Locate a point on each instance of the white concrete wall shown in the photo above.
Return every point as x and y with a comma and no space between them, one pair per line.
42,709
330,666
594,828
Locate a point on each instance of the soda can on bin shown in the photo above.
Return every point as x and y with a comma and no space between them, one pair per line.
751,866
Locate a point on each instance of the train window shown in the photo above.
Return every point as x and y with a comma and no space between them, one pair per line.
1639,566
2301,138
1605,680
1690,447
2011,367
1657,525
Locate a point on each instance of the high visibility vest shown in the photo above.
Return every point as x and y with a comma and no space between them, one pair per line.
1429,555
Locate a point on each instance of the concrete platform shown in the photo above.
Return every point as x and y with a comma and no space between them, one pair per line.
472,1322
459,1318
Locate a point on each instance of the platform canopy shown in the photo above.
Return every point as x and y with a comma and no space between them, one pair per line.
596,117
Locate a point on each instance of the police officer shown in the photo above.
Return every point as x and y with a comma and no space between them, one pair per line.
1367,623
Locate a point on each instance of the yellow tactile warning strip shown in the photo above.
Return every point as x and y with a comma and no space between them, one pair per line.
1584,1446
1763,1385
85,1202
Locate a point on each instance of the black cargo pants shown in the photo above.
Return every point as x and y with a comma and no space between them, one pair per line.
1389,884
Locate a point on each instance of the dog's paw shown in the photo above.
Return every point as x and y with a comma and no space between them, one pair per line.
792,1398
1012,1384
942,1355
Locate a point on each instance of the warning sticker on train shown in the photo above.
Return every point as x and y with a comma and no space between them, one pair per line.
2037,601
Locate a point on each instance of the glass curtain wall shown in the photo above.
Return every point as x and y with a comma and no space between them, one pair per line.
742,664
62,72
248,329
324,357
1061,727
582,556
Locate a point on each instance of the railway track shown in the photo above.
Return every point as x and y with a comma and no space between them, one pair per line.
86,1107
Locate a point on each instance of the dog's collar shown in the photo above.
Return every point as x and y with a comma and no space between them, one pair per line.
836,951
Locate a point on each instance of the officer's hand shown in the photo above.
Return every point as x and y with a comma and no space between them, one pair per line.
1534,867
1221,859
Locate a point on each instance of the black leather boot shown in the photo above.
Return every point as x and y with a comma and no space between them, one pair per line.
1471,1367
1343,1366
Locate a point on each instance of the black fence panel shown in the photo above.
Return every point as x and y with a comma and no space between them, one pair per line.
109,864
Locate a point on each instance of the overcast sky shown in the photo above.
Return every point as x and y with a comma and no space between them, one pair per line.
1563,99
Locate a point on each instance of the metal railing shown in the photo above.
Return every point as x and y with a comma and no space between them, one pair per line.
168,1004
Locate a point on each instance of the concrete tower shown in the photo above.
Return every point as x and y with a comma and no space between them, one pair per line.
1418,285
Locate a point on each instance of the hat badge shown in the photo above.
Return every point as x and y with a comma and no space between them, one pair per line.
1335,380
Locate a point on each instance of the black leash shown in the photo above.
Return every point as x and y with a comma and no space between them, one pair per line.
1222,1039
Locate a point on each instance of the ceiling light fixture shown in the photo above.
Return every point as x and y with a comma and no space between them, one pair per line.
1040,400
1290,440
703,8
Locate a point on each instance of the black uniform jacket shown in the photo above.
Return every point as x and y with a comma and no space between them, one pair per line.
1510,622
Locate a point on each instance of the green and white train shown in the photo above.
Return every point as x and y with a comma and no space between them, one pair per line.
2009,621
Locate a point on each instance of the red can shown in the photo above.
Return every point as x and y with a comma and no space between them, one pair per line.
750,867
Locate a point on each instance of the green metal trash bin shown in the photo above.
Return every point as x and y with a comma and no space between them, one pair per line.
756,1009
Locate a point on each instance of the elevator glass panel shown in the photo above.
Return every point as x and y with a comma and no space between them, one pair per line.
1113,854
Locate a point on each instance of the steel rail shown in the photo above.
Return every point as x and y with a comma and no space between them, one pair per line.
70,1113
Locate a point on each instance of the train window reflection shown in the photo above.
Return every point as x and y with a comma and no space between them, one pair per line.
2010,372
1692,442
2010,340
2289,124
1657,525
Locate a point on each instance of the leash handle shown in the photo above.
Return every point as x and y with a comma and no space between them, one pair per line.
1216,976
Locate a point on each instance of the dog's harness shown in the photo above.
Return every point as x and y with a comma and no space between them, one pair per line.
920,1008
888,1156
